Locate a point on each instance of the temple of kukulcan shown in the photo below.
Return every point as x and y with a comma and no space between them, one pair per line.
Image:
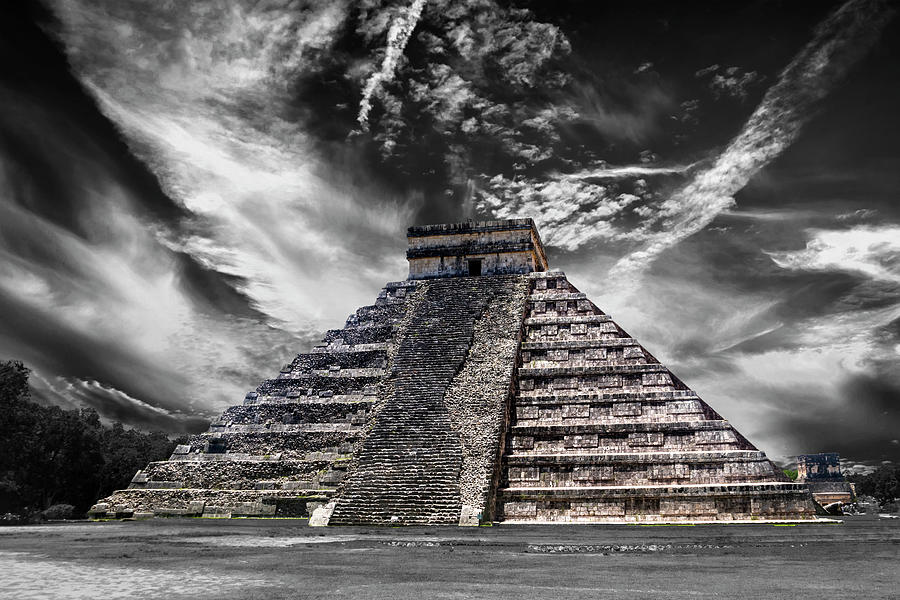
484,388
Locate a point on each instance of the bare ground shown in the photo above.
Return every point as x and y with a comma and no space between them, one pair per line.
231,559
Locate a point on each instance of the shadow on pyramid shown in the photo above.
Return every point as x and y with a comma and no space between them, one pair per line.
484,388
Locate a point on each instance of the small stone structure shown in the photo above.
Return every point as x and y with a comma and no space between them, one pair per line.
822,475
475,248
483,388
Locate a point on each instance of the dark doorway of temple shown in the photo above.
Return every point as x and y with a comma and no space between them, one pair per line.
474,267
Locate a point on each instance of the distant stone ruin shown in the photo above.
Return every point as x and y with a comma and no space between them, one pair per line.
483,388
822,475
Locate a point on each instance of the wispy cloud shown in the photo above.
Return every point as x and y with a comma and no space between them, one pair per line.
200,97
592,204
628,171
733,82
773,215
397,37
262,246
838,43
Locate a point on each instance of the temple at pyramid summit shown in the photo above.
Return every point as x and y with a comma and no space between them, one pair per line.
484,388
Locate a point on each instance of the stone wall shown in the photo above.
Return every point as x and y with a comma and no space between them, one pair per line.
502,247
498,263
815,467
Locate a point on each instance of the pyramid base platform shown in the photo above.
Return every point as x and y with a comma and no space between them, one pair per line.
776,502
187,502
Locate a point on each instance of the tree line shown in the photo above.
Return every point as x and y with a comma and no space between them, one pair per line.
883,484
56,463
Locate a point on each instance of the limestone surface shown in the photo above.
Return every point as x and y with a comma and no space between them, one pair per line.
602,432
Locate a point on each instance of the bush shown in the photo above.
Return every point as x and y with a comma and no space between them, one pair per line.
59,512
883,483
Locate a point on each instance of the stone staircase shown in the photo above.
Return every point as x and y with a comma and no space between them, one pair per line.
410,465
602,431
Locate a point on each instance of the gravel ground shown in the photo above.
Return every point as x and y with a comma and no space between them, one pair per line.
266,559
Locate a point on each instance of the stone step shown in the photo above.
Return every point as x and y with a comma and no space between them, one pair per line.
296,444
369,334
599,417
560,397
692,457
189,502
613,369
321,386
578,344
567,319
636,469
296,413
657,504
280,428
619,428
555,296
291,400
348,359
625,437
333,373
350,348
655,491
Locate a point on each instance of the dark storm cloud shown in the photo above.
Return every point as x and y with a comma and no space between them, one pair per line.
865,426
115,405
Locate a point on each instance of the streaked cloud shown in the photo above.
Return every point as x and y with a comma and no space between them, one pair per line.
626,171
397,37
871,251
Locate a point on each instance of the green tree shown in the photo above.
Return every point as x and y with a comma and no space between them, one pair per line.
13,381
883,483
50,456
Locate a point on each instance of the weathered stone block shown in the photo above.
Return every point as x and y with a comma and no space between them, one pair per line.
519,509
522,442
646,439
576,411
626,409
581,441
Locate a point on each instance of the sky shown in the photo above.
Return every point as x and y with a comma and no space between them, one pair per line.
192,193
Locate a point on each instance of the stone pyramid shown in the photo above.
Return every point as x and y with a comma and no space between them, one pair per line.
483,388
